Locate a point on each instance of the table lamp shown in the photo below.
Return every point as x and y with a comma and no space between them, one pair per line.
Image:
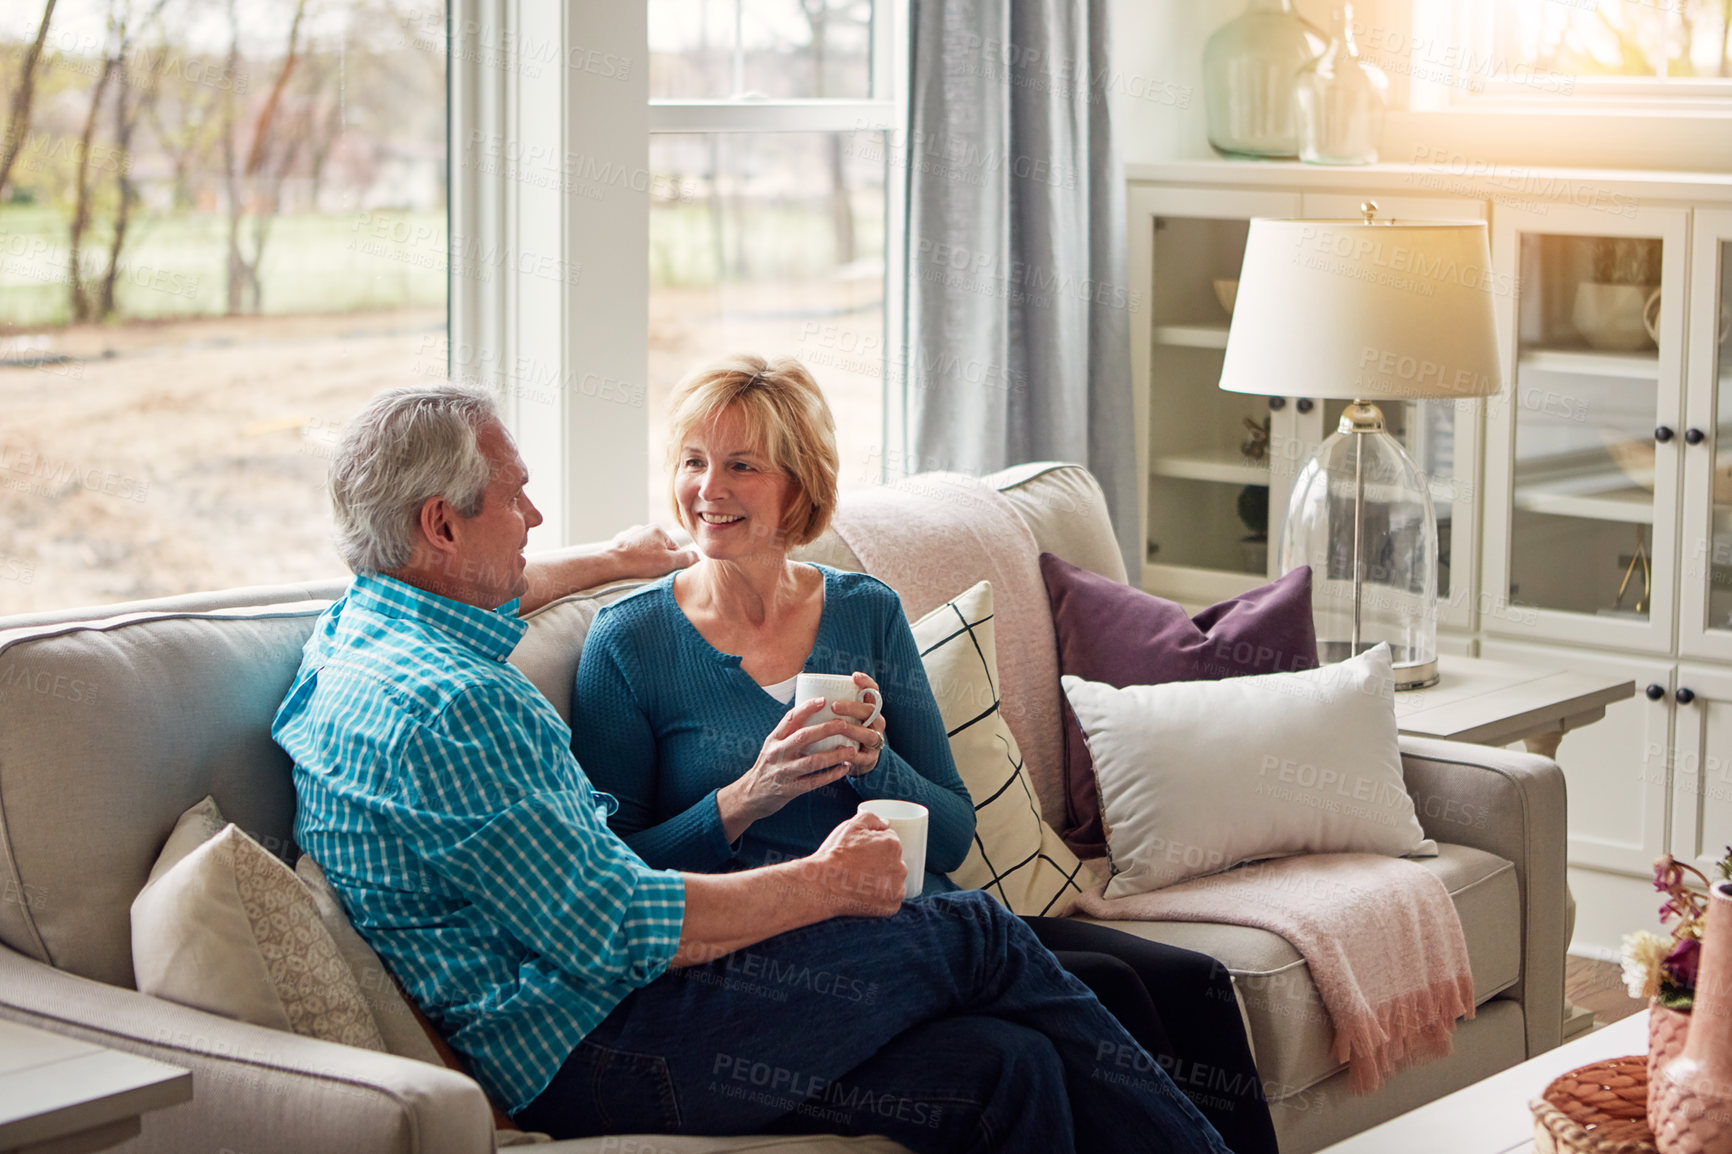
1365,311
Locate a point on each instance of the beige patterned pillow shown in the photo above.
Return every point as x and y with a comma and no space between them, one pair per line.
1016,858
230,929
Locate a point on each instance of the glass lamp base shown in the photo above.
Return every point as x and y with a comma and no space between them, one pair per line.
1413,670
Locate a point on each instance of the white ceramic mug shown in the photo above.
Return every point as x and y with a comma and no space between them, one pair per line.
907,820
834,687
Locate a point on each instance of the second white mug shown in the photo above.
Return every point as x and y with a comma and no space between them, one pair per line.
907,820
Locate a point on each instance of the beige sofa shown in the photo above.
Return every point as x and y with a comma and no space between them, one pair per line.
114,720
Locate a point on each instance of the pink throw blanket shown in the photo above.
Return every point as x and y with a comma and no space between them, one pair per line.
1382,938
933,536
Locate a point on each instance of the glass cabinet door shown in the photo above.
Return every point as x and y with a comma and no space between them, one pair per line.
1583,443
1217,467
1705,598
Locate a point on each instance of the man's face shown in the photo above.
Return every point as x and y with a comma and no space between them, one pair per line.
489,555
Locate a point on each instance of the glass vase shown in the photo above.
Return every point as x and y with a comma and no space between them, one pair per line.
1249,68
1340,100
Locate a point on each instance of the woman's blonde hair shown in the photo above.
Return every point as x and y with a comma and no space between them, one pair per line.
790,424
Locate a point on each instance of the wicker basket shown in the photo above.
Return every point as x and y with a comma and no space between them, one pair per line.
1598,1109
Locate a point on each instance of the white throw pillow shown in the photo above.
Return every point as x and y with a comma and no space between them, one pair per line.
224,926
1200,776
1016,856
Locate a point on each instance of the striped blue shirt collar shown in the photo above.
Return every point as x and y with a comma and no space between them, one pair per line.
493,633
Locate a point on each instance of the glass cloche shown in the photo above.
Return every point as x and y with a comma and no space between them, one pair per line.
1397,552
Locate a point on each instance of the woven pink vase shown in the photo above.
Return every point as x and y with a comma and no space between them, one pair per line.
1690,1103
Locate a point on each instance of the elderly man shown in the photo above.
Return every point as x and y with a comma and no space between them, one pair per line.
590,993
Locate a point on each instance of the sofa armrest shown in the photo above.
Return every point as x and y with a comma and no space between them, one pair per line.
1513,805
256,1089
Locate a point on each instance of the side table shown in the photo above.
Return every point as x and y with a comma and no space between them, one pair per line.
1500,702
75,1095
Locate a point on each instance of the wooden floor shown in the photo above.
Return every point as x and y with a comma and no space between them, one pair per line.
1598,986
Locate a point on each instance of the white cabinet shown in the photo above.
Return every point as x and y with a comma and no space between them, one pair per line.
1208,505
1585,512
1212,512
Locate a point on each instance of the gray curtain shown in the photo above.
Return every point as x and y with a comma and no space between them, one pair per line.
1018,327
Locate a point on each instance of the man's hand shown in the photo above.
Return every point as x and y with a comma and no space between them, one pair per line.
859,868
647,551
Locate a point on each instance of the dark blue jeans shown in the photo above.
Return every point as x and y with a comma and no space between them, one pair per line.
948,1027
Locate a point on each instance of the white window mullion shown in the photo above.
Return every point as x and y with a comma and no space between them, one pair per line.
767,115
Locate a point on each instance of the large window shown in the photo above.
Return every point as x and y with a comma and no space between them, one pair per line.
1604,51
222,228
768,225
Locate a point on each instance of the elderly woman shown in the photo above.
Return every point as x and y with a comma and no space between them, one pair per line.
683,710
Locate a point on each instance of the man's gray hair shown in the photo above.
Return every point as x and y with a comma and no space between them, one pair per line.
406,446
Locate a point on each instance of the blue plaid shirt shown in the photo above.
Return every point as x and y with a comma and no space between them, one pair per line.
437,789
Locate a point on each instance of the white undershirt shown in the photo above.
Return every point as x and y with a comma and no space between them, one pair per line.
782,691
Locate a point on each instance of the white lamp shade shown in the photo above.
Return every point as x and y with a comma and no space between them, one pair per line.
1353,310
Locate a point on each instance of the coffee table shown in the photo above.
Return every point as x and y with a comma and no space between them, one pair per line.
1492,1117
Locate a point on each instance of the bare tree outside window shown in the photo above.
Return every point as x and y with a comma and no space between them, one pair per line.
222,228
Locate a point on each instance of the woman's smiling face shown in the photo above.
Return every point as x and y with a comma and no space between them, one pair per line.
731,496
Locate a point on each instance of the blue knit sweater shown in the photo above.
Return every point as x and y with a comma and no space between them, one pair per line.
662,720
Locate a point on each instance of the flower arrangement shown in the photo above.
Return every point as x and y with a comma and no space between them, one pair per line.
1664,968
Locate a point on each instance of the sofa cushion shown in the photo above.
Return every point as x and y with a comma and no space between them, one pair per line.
549,650
109,731
1067,513
1197,777
230,929
1112,633
1290,1028
1016,857
398,1025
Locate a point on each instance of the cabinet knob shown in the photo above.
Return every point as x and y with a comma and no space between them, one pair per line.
1685,696
1695,436
1306,404
1655,691
1277,403
1662,434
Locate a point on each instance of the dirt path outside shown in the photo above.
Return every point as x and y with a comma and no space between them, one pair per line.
156,458
170,457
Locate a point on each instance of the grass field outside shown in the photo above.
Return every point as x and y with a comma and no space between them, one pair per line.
175,266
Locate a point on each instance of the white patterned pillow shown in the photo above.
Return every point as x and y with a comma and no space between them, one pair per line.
224,926
1016,856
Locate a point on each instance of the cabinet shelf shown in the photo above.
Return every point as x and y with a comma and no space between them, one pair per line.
1615,502
1211,336
1224,465
1593,363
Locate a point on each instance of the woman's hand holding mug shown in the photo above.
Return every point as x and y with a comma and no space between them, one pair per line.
868,714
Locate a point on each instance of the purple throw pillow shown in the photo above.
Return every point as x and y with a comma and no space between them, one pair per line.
1113,633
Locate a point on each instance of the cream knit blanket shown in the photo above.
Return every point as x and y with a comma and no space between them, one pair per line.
1381,937
932,536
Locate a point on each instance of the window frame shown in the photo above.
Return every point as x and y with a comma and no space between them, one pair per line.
1605,124
585,440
